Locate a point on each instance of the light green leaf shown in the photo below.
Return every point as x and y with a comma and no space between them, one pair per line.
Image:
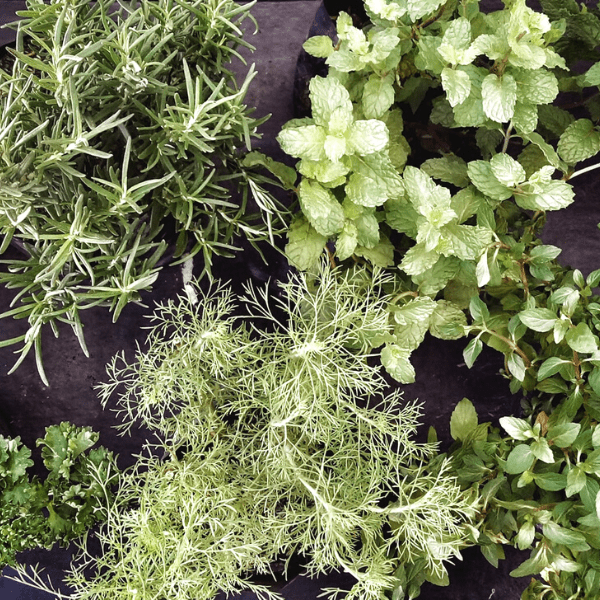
542,451
410,336
346,241
448,321
594,380
516,366
307,141
397,364
417,9
507,170
470,113
456,84
574,540
592,76
321,207
428,57
449,168
324,171
345,61
483,270
467,241
525,119
367,137
518,429
367,228
320,46
580,140
576,480
536,86
552,482
481,174
550,367
417,260
525,536
305,245
365,191
418,309
335,147
379,169
552,195
544,253
378,96
534,565
328,95
563,435
538,319
380,255
463,420
499,96
596,436
520,459
581,339
472,351
479,311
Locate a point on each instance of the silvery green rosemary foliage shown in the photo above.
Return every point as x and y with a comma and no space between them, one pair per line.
116,120
271,441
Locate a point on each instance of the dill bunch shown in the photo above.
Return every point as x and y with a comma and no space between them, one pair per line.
274,435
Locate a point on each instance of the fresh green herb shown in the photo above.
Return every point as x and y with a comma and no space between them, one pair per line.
271,441
116,125
72,498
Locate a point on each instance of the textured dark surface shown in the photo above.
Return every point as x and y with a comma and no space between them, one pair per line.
442,378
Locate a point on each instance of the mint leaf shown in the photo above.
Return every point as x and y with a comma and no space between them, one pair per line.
448,321
472,351
507,170
525,119
328,95
456,84
346,241
380,255
538,319
397,364
421,8
499,96
563,435
536,86
580,140
552,195
418,309
307,141
378,96
518,429
305,244
516,366
520,459
581,339
592,76
321,207
463,420
417,260
550,367
367,228
367,137
450,169
482,175
320,46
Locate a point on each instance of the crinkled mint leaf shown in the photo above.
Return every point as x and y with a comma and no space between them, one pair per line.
327,95
367,137
525,119
331,174
450,169
417,309
499,95
552,195
367,228
345,61
397,364
581,140
471,113
321,207
380,255
428,57
418,9
507,170
305,244
481,174
320,46
378,96
592,76
417,260
448,321
467,241
346,241
456,84
365,191
464,420
536,87
554,119
307,141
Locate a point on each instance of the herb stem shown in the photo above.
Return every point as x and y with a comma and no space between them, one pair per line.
584,170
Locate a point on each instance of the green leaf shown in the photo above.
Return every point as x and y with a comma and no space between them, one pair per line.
346,241
534,565
472,351
542,451
563,435
554,119
581,339
576,480
550,367
552,482
499,95
305,245
320,46
574,540
417,260
536,86
538,319
378,96
516,366
368,137
481,174
397,364
380,255
551,195
328,97
448,321
307,141
417,9
479,311
580,140
507,170
463,420
520,459
287,175
456,84
518,429
450,169
367,228
418,309
321,208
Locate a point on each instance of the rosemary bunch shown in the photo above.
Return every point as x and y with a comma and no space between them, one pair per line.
271,441
119,121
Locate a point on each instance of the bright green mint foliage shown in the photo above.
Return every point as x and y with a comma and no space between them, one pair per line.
72,498
460,221
271,442
539,490
115,125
